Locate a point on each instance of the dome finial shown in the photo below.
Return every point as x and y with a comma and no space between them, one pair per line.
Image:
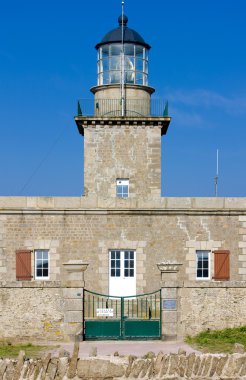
123,20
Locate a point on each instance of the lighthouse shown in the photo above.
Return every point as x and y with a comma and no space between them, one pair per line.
123,128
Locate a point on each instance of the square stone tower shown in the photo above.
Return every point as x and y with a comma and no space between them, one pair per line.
122,133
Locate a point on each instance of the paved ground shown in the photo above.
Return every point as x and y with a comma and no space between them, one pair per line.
105,348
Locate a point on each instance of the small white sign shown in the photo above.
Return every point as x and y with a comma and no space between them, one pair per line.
105,312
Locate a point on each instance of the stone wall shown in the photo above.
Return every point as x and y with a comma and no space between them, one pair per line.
31,312
165,230
86,229
217,306
131,152
172,366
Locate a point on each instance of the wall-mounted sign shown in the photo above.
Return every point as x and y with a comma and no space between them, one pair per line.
170,304
105,312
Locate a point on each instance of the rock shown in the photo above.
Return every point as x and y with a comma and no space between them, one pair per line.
116,353
10,370
239,363
158,362
37,373
191,361
238,348
181,351
243,370
137,367
131,359
145,368
207,365
165,366
19,365
62,367
214,364
151,371
29,373
149,355
24,370
182,365
173,369
45,365
83,368
231,365
93,351
202,365
3,366
52,368
196,365
99,368
73,363
221,364
62,353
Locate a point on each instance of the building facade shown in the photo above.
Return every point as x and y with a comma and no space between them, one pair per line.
186,257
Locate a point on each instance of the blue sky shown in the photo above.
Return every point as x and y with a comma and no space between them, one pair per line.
48,61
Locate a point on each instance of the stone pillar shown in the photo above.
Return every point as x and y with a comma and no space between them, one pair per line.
73,292
169,295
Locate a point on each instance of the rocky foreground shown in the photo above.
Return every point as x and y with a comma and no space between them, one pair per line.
172,366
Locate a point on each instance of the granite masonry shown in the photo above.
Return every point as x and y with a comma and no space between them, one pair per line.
164,232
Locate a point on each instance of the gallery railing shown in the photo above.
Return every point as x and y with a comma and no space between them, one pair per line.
132,107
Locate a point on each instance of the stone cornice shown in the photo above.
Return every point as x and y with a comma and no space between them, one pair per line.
136,212
131,206
127,121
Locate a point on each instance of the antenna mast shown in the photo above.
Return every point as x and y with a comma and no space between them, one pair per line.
122,63
216,178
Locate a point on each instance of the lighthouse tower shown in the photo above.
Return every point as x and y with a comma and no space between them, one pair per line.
122,131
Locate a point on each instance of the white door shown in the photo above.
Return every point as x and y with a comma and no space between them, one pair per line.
122,273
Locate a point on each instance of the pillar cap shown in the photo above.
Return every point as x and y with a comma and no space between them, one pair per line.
75,266
169,266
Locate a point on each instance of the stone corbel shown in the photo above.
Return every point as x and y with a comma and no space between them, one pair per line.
169,270
74,276
169,267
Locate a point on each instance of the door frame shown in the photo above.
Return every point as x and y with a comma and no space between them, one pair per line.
122,278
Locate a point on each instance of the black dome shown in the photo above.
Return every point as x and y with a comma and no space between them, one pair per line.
130,35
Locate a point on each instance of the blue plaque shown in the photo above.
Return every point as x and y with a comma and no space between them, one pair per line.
170,304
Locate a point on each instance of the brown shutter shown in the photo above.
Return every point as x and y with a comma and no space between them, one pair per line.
221,265
23,265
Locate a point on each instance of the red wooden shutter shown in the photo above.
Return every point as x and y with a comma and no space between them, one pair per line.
221,265
23,265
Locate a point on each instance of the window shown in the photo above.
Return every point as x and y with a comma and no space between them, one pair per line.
122,263
41,264
115,264
122,188
129,264
110,63
221,265
202,265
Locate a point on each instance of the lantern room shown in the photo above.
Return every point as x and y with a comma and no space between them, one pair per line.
122,73
129,57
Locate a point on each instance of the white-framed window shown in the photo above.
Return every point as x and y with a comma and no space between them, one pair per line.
202,265
122,188
41,264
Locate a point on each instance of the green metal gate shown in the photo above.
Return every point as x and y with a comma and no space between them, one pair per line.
132,317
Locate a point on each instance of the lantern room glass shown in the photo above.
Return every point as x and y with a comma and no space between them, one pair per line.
110,61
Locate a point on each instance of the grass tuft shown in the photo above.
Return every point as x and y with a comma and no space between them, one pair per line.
11,350
218,340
